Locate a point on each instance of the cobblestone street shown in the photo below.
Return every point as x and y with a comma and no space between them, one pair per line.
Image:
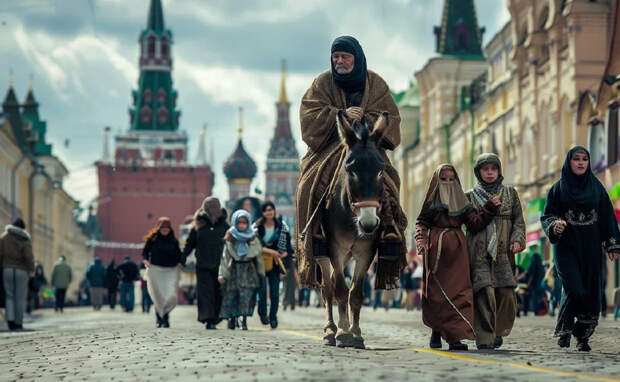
110,345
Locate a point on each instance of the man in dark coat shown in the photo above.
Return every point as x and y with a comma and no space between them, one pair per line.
129,273
207,238
111,283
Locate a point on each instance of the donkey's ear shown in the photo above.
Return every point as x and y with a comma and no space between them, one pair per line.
345,131
382,123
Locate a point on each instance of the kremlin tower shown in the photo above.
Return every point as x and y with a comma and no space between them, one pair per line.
148,175
282,173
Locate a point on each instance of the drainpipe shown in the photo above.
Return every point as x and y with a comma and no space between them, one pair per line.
14,186
446,127
36,171
472,153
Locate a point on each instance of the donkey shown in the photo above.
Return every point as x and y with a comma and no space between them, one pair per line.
351,223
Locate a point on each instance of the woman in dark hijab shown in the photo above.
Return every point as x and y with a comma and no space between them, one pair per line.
579,218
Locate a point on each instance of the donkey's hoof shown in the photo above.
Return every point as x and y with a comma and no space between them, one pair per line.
344,340
329,340
358,343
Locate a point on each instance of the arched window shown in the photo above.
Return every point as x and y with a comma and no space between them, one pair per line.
612,134
596,142
165,48
151,46
145,115
162,115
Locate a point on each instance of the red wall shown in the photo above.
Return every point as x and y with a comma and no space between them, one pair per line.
130,201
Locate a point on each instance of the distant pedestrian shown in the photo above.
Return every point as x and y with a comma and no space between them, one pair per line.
96,278
240,270
128,273
111,283
579,218
35,283
147,301
163,261
61,279
17,264
275,238
207,238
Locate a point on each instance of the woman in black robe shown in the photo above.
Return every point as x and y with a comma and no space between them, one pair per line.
579,218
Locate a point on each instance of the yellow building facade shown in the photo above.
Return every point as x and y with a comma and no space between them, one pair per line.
31,188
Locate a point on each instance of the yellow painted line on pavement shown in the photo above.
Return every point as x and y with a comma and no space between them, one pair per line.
487,361
516,365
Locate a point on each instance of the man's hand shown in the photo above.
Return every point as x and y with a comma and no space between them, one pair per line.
283,255
613,255
515,247
355,112
421,243
559,226
147,263
221,280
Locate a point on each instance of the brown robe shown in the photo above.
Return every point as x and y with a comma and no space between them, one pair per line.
318,113
452,313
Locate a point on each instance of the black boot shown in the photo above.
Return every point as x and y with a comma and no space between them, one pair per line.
499,341
159,320
244,323
458,346
435,342
165,320
274,323
564,341
210,326
582,345
231,324
12,325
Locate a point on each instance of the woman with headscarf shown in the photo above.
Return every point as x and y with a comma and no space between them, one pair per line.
579,218
492,254
163,261
207,238
447,300
240,269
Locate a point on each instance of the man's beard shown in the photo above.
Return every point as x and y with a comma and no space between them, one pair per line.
341,69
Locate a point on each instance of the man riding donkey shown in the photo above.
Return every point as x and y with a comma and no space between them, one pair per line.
352,96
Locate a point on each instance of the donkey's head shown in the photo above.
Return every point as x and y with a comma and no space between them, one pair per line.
364,170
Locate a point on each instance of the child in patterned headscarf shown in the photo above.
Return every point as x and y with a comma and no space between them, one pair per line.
240,269
492,252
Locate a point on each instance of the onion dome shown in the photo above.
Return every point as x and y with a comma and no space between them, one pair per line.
240,164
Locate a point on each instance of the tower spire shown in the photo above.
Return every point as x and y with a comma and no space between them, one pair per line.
211,154
105,155
283,99
459,34
240,128
155,21
202,150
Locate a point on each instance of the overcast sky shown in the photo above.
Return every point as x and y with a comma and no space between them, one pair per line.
83,55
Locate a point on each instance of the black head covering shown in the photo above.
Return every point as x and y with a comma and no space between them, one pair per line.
580,189
356,80
484,159
19,223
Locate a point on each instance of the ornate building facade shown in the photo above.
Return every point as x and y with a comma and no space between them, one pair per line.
32,188
282,173
149,175
542,84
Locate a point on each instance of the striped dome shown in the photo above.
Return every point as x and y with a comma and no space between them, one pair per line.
240,165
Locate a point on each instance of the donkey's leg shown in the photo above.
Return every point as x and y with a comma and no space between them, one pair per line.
356,295
341,293
329,331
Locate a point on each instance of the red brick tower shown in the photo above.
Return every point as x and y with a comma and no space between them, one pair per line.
149,175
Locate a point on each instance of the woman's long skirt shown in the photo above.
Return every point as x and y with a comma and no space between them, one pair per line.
162,283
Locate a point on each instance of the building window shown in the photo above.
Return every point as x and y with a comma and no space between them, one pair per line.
151,46
596,142
612,134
